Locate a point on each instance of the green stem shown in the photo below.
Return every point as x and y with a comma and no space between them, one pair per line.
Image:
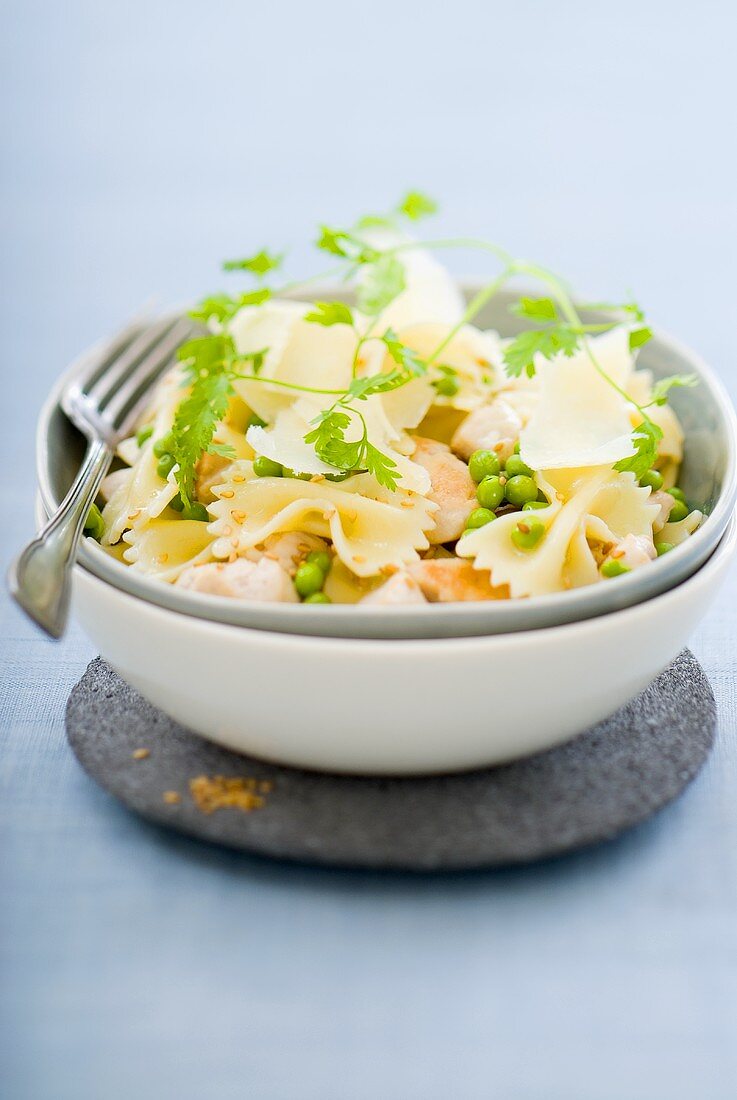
286,385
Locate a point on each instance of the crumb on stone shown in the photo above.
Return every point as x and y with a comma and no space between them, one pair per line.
140,754
172,797
218,792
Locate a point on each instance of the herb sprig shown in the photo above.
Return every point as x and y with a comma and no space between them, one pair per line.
211,363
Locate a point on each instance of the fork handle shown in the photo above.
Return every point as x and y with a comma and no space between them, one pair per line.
40,578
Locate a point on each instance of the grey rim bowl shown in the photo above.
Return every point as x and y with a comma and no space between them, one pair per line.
709,479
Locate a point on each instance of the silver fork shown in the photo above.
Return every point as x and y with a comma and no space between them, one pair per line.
103,400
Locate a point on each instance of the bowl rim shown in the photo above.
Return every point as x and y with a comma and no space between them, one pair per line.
499,617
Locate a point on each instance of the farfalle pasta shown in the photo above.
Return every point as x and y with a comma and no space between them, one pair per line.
377,446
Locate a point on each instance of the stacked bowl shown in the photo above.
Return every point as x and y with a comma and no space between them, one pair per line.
422,688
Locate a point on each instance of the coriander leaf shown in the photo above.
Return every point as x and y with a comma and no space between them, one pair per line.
519,355
330,442
663,386
223,449
334,241
260,264
639,337
223,307
645,438
330,313
382,283
194,425
537,309
338,242
415,205
383,468
403,355
204,354
361,388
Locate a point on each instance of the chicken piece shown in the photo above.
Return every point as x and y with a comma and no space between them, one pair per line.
399,589
207,471
264,581
445,580
493,427
289,549
452,488
666,503
634,551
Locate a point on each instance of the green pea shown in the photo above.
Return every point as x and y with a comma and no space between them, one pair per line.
197,511
446,386
483,464
143,434
514,466
264,467
317,597
678,512
479,518
663,548
528,533
177,503
94,525
165,465
164,445
533,505
490,492
653,479
287,471
255,421
678,494
308,579
322,559
613,568
520,489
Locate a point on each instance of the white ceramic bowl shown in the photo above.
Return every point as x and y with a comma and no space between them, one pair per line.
708,476
392,707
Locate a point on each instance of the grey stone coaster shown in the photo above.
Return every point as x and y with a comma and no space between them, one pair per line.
606,780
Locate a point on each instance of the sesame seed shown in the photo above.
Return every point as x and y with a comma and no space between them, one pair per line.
359,558
227,494
162,559
238,479
237,515
140,754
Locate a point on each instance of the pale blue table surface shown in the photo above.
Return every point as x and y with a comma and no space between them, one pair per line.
142,143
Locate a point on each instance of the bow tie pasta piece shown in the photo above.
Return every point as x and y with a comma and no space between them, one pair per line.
581,420
676,533
368,534
599,502
164,547
144,494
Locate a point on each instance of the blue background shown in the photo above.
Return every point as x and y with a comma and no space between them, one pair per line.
142,143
